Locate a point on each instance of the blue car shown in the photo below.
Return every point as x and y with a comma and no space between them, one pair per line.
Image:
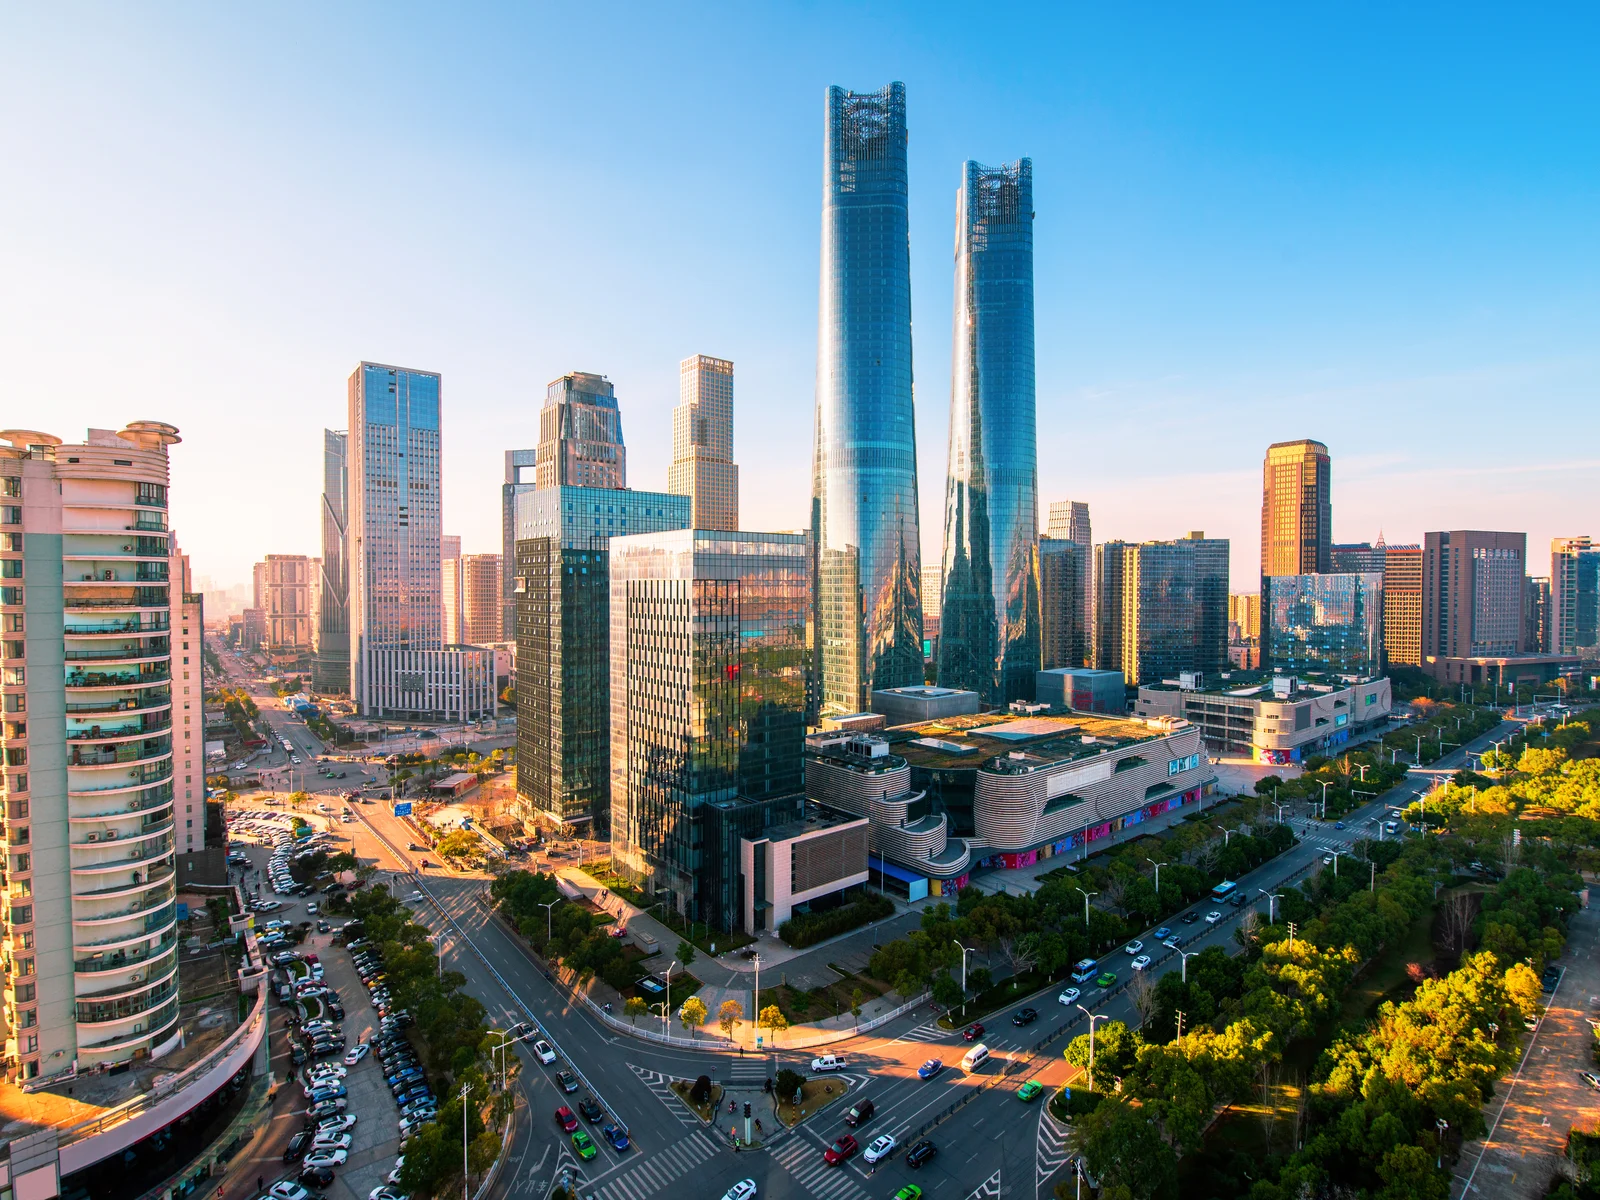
930,1068
616,1136
1162,934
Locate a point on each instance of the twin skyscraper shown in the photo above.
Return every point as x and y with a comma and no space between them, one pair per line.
864,476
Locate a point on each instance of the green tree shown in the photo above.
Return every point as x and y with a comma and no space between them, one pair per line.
685,952
856,998
1116,1050
635,1007
1123,1147
945,990
693,1014
788,1082
729,1014
772,1019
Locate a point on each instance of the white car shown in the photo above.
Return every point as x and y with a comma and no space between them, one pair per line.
1133,947
1213,917
385,1192
340,1124
357,1053
326,1158
1070,996
330,1141
881,1148
745,1189
394,1175
1141,962
546,1055
288,1189
828,1062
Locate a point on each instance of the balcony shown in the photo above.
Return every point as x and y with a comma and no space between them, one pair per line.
161,968
136,778
153,522
156,623
102,1011
160,673
127,752
158,874
147,702
150,905
122,960
156,650
153,799
149,856
157,1025
124,939
152,723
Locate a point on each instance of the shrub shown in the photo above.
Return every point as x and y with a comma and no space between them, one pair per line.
701,1092
808,929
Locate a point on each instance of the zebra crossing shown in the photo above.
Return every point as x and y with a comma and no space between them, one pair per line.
661,1087
655,1174
748,1069
801,1159
1051,1151
989,1187
928,1032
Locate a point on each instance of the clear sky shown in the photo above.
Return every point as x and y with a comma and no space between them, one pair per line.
1370,224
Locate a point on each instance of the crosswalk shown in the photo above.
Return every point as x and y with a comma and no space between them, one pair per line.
748,1069
655,1175
661,1087
929,1032
1051,1151
989,1187
803,1161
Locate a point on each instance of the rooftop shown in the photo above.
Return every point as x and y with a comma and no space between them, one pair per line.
972,740
1259,683
818,817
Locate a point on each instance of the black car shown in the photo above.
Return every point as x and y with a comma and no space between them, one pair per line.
920,1153
591,1111
862,1111
336,1010
297,1054
296,1149
315,1177
1189,918
1025,1016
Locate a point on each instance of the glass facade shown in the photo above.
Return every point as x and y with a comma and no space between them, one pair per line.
989,637
1574,624
333,616
519,478
1161,608
709,660
580,434
1329,622
864,476
1063,627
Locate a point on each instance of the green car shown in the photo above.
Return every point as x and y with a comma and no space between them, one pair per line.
1105,979
910,1192
1030,1091
584,1145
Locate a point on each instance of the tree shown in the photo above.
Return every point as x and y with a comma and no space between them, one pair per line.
980,979
945,990
693,1014
1122,1146
729,1014
685,953
856,998
1116,1049
788,1082
458,843
635,1007
772,1019
701,1091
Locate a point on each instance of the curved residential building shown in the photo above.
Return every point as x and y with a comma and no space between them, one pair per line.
89,695
864,475
989,638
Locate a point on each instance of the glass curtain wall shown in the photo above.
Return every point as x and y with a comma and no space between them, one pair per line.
1331,622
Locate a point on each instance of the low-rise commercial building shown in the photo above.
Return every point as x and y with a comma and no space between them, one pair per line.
1278,719
903,705
809,860
1083,689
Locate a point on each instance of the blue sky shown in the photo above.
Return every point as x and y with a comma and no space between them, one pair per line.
1372,227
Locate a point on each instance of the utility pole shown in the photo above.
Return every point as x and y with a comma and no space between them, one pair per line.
1086,896
1291,935
1180,1022
465,1190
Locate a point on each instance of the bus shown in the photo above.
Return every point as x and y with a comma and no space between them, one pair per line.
1223,890
1084,970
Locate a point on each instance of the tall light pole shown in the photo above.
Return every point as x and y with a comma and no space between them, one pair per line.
965,950
1441,1125
505,1041
1272,901
549,908
1336,855
1157,866
755,1017
1086,896
465,1189
1226,835
1324,784
665,1005
1187,955
1093,1017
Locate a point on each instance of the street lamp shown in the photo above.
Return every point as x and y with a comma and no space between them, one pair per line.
664,1006
465,1190
1272,901
1187,955
1086,896
1441,1124
755,1017
1324,784
1226,835
1093,1017
549,908
1336,854
505,1040
965,950
1157,866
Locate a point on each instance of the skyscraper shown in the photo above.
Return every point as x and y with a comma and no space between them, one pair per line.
91,690
1328,622
1064,634
520,468
989,638
480,599
580,434
288,603
332,672
1296,509
864,475
1472,594
702,443
1538,632
450,588
1069,522
1574,595
1161,608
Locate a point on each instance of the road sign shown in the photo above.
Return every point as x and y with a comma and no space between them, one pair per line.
402,808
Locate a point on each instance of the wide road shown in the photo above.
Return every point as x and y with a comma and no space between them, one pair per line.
993,1146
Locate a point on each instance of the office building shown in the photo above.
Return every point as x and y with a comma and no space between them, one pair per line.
1244,611
188,727
1402,605
450,588
520,468
1359,558
288,604
1274,718
810,860
1064,607
702,443
480,599
1537,632
1020,790
1083,689
563,638
708,696
90,693
253,629
1331,622
1574,596
314,602
258,586
989,637
932,599
864,477
580,435
1069,522
1296,509
332,671
1161,608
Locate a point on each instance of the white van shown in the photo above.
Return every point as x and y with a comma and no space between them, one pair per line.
975,1058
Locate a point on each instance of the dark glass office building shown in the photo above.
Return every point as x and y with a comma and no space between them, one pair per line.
989,637
1327,622
864,476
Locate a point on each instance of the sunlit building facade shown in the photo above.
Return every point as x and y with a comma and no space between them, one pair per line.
1331,622
702,442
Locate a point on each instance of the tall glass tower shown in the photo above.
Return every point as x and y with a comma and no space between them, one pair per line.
989,620
864,473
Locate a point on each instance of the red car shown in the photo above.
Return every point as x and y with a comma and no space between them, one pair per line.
565,1119
973,1032
844,1148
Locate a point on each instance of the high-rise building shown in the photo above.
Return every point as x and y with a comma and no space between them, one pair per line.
1402,605
932,602
1331,622
189,726
520,468
1473,594
989,614
708,697
480,599
400,666
288,603
1069,522
314,599
1361,558
563,636
258,585
580,434
1162,610
1064,631
91,690
864,475
1537,633
1244,611
1574,596
450,588
332,670
702,442
1296,509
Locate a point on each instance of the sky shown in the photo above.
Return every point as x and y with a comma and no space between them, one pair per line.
1374,225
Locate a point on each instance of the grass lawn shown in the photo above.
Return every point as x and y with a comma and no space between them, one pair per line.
703,938
682,1088
799,1006
815,1095
1389,972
